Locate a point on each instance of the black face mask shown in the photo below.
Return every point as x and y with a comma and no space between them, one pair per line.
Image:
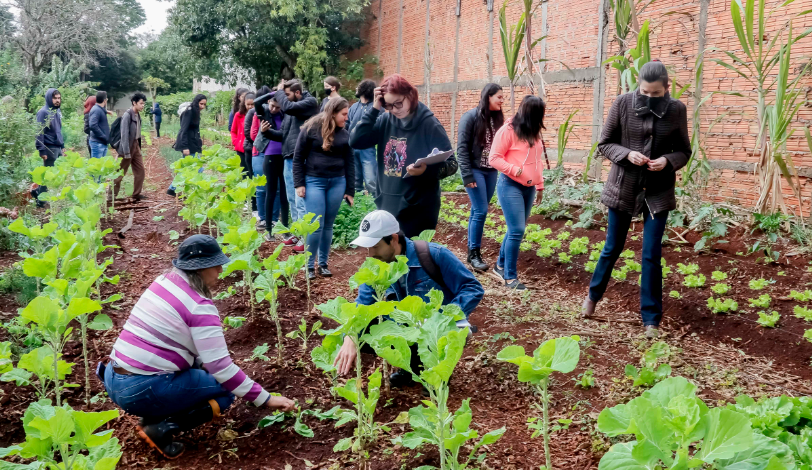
328,91
357,94
650,104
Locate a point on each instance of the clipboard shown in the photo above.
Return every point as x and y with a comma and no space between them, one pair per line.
435,156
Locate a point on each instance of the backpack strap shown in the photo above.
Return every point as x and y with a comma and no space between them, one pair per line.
427,262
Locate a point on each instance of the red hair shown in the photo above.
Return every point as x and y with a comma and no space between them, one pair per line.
89,103
398,85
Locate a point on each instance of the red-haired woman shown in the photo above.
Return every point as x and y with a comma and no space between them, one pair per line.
407,131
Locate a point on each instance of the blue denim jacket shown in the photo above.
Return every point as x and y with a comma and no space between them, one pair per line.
462,287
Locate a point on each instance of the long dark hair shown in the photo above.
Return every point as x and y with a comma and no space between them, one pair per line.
529,119
324,121
484,113
195,106
235,101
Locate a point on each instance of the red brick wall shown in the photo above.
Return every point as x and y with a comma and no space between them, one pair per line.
572,28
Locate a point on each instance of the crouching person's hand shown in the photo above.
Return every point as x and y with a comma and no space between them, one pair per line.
280,403
346,357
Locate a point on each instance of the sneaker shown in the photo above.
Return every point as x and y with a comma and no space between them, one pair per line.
261,226
255,214
171,192
498,273
290,240
268,237
299,247
324,272
515,285
311,273
652,332
588,308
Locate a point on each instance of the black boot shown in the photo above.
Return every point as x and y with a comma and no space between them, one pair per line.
160,435
475,260
400,379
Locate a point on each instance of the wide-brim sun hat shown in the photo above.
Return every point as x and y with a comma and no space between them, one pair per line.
199,252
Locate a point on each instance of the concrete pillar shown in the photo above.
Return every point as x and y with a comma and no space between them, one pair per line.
490,40
599,85
453,136
380,27
400,34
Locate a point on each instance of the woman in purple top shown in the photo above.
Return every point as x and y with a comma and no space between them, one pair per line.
270,118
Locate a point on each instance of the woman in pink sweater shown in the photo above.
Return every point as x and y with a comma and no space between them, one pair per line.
517,152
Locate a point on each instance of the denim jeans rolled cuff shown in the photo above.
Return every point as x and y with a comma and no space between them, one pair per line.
516,201
651,278
158,396
323,197
256,167
480,198
296,203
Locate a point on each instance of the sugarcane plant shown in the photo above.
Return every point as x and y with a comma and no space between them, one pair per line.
776,94
555,355
512,37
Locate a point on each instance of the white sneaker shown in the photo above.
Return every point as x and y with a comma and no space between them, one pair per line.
268,237
255,214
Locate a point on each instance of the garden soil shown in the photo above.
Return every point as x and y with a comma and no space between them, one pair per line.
724,355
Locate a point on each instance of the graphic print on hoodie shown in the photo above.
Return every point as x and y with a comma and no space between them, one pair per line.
394,157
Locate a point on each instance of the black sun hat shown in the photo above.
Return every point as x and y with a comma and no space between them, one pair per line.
199,252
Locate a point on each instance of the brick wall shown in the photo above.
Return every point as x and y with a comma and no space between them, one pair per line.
727,122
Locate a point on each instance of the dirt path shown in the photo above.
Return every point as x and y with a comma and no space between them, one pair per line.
722,368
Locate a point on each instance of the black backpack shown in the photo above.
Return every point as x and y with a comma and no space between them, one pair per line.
115,133
427,262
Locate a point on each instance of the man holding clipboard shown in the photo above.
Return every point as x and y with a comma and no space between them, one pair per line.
413,154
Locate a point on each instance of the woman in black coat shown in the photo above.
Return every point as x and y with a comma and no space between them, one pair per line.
646,139
476,130
189,141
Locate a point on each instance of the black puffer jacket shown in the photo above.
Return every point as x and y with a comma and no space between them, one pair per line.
299,112
631,188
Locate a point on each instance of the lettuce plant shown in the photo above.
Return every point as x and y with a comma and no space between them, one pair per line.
564,258
722,306
804,296
627,254
650,372
758,284
718,276
686,270
673,428
692,280
720,289
763,301
555,355
579,246
58,436
675,295
803,313
768,320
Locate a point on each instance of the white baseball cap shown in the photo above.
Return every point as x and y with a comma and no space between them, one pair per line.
376,225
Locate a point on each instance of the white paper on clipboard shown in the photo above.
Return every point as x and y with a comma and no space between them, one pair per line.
435,156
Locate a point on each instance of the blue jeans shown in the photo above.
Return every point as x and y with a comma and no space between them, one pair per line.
323,197
258,169
516,201
196,155
296,203
97,149
163,395
480,200
366,170
651,281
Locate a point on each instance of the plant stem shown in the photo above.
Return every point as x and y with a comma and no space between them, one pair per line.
56,374
442,404
360,405
545,399
83,323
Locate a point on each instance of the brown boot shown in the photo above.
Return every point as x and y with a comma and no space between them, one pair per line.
588,308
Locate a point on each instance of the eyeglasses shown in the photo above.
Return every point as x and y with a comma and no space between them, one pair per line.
395,105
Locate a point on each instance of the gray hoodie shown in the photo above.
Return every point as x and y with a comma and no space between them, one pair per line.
51,135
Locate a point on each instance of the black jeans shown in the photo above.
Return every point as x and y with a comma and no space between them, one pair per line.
274,168
651,281
157,129
52,153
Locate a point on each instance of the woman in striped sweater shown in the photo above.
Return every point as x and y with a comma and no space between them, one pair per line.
171,366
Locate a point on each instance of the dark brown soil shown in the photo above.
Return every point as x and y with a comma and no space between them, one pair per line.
724,355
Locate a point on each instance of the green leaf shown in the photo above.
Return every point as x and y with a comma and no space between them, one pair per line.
348,391
81,306
759,455
87,423
58,427
663,392
106,455
100,322
726,433
614,421
620,457
343,444
19,376
271,420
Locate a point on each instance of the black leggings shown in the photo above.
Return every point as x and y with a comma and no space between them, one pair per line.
274,168
158,129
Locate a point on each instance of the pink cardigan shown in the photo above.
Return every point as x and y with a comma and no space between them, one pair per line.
509,154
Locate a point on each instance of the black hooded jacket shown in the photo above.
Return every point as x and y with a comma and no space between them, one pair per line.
298,112
51,135
189,133
414,201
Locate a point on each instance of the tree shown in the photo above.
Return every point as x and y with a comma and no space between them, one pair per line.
167,57
153,84
118,75
82,30
268,41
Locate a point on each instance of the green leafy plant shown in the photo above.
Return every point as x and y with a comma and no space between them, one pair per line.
301,228
693,280
585,380
763,301
675,295
57,437
673,427
720,289
590,266
768,320
564,258
379,275
803,313
267,288
759,284
302,333
555,355
654,367
233,322
260,352
718,276
722,306
804,296
689,269
627,254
